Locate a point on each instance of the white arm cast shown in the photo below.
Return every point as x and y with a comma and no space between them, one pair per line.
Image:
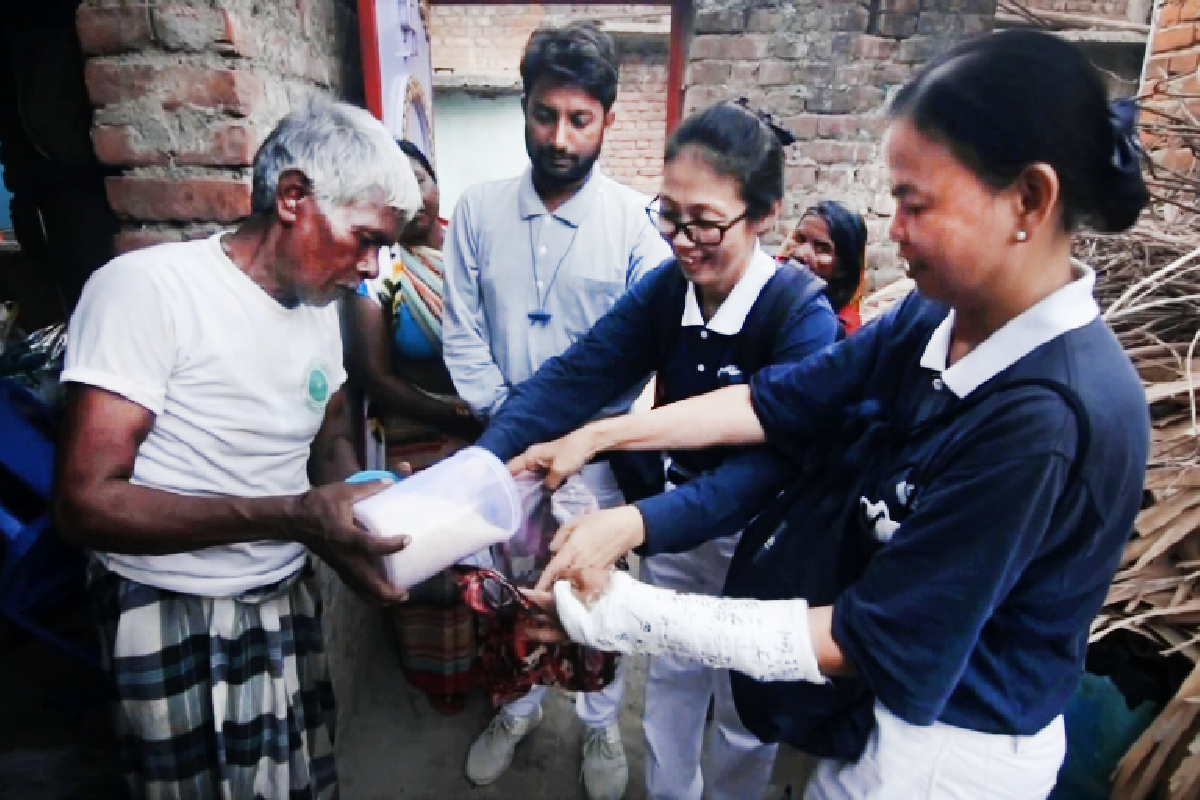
766,639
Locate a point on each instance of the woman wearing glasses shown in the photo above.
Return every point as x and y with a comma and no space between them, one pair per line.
709,318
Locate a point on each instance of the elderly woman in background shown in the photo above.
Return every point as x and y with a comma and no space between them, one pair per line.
831,240
394,343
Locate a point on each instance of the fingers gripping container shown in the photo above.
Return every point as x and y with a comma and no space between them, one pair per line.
466,503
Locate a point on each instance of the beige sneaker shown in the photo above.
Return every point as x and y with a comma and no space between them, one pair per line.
605,770
493,751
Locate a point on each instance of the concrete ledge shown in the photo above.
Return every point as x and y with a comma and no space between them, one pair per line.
481,84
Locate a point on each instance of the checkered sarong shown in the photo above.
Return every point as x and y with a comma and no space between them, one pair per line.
219,697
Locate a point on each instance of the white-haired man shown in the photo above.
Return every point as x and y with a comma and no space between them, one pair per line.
204,405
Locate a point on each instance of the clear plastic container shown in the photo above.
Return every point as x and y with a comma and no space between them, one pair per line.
457,507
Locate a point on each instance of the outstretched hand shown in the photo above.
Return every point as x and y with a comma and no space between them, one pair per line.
557,460
593,542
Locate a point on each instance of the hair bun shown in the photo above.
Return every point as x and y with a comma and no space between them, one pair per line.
784,136
1122,200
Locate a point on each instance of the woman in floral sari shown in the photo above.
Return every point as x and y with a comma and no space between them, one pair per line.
414,417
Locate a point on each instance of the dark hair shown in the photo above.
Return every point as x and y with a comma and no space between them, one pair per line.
1007,100
579,54
848,230
412,151
739,144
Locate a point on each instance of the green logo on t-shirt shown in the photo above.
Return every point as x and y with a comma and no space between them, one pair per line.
316,385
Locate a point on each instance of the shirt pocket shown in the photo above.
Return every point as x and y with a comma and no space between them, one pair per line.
588,300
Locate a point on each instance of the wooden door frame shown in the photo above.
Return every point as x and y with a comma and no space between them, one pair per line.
676,57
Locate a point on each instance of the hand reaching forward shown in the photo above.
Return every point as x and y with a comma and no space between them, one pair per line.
593,542
557,460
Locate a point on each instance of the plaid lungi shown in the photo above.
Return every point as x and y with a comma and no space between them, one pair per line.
219,697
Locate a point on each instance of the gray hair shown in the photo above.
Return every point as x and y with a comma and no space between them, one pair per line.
344,151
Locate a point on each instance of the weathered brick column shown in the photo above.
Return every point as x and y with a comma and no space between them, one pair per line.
186,91
1170,90
825,70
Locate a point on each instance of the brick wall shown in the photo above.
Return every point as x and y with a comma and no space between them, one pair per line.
185,92
487,42
825,69
1111,9
633,148
1170,89
481,40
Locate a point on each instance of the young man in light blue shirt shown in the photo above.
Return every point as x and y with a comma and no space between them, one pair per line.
531,263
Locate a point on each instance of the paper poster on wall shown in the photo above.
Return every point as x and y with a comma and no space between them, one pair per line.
406,70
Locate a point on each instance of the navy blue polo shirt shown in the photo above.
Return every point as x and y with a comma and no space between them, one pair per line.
621,351
990,564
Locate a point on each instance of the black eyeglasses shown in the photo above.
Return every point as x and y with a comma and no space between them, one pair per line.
698,232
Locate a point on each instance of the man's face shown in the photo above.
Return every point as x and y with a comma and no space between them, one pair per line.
564,130
332,251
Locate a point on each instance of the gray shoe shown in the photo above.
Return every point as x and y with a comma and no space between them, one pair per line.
493,751
605,770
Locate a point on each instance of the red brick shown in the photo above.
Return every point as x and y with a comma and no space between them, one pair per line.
227,144
742,47
803,126
1179,160
1184,62
1189,11
194,198
1158,67
874,47
237,38
800,176
1169,15
826,152
124,145
144,237
1174,38
233,91
774,73
113,30
838,125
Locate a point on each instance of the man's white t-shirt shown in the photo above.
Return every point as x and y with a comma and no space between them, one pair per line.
238,385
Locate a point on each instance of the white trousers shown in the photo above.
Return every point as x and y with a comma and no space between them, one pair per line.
943,762
595,709
677,697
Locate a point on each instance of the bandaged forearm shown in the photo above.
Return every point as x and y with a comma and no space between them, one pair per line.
768,640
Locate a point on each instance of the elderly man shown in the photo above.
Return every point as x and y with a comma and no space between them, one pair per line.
204,406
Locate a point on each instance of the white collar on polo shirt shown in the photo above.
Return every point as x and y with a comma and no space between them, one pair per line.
732,313
1070,307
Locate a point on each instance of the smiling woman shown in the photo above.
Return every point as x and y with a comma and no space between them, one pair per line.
714,315
915,609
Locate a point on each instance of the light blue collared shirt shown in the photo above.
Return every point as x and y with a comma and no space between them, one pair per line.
507,256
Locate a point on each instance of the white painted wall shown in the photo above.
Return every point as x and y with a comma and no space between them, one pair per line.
478,139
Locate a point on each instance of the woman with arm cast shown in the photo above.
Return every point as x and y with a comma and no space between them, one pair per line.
973,460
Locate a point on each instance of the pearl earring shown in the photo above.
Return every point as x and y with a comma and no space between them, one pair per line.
1022,236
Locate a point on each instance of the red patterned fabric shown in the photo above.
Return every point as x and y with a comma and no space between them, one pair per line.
511,664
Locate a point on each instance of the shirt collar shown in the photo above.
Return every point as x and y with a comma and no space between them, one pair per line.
1067,309
572,212
732,313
